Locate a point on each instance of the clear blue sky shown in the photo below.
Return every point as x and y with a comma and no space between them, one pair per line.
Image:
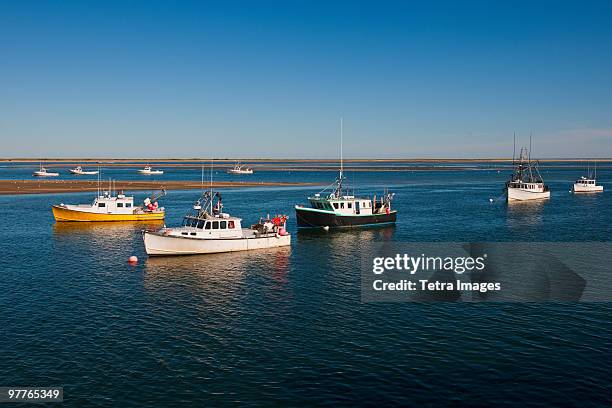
255,79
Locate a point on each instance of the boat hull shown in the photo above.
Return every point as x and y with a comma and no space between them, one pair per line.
580,188
62,214
517,194
158,244
38,174
311,218
83,173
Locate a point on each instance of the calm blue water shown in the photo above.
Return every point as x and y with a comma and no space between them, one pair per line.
287,326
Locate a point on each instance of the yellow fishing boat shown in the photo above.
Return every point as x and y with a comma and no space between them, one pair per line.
107,207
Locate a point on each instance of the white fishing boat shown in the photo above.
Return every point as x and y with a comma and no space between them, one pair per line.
526,182
588,184
78,170
43,172
240,169
149,171
207,230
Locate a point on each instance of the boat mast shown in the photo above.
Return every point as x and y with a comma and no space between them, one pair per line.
513,148
211,185
529,160
341,176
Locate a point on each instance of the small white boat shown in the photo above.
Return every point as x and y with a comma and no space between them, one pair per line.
207,230
240,169
526,182
78,170
149,171
588,184
42,172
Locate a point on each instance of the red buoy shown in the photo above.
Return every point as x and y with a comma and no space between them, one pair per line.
133,259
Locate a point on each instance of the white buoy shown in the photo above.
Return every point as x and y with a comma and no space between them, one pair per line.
490,200
326,228
133,259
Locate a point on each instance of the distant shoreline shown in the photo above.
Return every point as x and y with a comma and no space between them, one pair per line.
39,186
206,161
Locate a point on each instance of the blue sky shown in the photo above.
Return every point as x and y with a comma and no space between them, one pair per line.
254,79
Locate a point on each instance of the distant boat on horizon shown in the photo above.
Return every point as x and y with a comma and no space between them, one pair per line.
78,170
43,172
148,170
240,169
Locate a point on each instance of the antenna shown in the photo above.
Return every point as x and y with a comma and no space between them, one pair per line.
212,161
99,175
513,148
529,156
341,155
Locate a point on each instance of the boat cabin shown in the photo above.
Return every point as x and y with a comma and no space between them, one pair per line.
585,181
121,204
345,205
535,187
218,226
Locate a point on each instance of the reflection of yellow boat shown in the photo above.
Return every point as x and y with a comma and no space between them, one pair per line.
110,208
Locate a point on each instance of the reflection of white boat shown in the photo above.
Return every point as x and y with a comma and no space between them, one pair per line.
588,184
526,182
78,170
148,171
240,169
42,172
208,230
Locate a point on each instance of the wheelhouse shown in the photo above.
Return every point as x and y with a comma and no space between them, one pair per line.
585,182
108,203
211,224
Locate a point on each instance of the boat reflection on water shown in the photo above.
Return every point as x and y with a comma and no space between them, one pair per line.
340,255
525,213
361,234
219,278
119,227
100,243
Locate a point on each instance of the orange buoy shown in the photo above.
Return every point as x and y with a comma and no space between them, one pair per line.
133,259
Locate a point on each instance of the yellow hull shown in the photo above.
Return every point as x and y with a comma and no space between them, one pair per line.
65,215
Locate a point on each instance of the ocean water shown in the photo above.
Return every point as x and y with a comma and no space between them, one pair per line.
287,326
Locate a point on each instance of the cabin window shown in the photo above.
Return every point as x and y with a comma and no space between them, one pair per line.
223,224
349,205
215,224
201,224
100,205
193,233
230,224
128,205
342,205
336,206
208,225
119,205
184,233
